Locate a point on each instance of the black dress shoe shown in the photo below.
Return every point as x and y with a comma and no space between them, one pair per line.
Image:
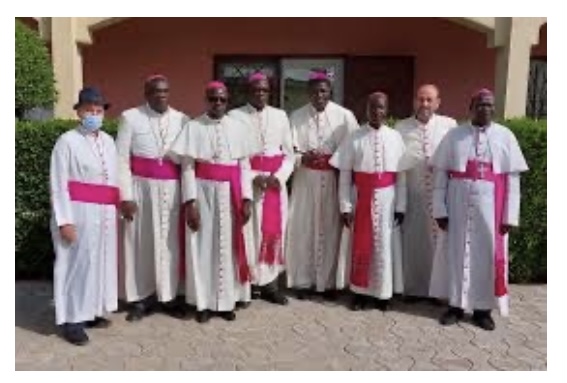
175,310
410,299
74,333
302,294
227,315
451,316
242,305
330,295
98,322
357,303
274,297
136,312
483,319
382,304
203,316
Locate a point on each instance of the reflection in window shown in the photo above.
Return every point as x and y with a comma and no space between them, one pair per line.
235,75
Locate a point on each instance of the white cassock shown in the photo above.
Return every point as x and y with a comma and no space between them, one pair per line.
213,275
476,272
371,153
314,229
151,241
423,245
85,272
270,133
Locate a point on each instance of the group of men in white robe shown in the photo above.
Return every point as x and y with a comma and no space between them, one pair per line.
422,209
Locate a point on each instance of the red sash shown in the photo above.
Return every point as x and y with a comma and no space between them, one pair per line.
271,245
363,246
231,174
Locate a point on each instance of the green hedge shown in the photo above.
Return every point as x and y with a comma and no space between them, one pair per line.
34,254
35,81
34,142
528,243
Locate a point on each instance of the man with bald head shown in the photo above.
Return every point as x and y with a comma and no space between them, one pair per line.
370,157
217,197
477,201
272,165
423,245
151,201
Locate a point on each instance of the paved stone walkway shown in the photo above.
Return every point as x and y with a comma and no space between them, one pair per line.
306,335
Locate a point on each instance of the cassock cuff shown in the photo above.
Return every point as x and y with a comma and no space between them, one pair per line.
346,207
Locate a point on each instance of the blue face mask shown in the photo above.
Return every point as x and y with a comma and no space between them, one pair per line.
92,122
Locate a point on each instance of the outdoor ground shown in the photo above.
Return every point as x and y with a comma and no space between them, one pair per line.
306,335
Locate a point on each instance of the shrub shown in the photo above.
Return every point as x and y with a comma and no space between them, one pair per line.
35,82
528,243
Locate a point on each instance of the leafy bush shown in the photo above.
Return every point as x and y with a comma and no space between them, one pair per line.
528,243
35,82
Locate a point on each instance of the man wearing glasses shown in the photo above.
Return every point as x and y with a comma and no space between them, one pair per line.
217,192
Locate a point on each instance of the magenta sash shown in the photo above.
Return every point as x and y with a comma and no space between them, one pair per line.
363,244
154,168
93,193
271,245
500,189
231,174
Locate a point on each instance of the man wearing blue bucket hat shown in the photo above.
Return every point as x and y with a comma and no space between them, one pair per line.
84,194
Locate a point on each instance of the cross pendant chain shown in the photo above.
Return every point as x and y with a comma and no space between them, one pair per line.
100,154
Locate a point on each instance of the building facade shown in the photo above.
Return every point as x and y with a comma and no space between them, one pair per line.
394,55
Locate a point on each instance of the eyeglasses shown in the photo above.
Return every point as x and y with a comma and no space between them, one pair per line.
222,100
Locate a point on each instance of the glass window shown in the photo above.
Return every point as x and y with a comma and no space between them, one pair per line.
234,73
536,105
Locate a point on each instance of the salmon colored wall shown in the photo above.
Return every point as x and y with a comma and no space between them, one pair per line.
450,55
540,50
29,21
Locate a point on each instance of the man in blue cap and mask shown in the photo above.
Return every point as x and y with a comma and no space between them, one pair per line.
84,195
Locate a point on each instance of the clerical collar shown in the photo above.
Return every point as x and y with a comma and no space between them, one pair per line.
373,128
154,112
423,123
217,120
254,109
86,132
480,128
317,111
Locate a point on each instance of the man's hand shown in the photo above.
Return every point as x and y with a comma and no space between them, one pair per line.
246,210
68,233
443,223
273,182
398,218
347,219
260,182
192,216
128,209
